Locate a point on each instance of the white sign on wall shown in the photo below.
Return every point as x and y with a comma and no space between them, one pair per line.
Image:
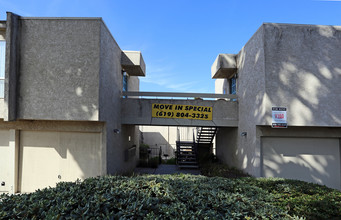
279,117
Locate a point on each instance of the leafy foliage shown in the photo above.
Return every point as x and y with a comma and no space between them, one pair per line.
175,197
218,169
296,197
150,197
171,161
303,199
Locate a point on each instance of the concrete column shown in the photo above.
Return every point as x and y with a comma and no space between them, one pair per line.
11,66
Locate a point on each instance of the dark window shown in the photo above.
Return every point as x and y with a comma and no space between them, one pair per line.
125,83
233,85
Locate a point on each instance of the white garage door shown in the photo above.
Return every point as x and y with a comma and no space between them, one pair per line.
309,159
49,157
5,161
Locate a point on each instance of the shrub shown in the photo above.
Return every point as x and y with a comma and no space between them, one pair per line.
175,197
303,199
154,162
149,197
171,161
144,151
218,169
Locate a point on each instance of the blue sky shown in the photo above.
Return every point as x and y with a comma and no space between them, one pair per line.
180,39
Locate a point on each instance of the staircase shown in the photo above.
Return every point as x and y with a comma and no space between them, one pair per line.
205,135
187,151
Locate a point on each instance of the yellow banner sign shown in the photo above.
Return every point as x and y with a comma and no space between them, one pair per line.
181,111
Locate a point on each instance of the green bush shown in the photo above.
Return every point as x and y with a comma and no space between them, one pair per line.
303,199
220,170
143,163
150,197
154,162
144,151
175,197
171,161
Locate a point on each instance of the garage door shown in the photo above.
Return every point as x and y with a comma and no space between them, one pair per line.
309,159
49,157
5,161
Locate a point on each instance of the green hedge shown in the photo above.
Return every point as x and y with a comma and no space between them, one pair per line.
301,198
150,197
175,197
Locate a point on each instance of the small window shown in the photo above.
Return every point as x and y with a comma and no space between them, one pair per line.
2,68
125,82
233,85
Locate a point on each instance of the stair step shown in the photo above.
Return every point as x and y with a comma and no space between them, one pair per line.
184,142
187,158
187,153
186,150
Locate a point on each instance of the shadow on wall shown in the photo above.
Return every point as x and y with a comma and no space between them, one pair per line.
156,140
307,76
303,159
50,157
306,80
302,73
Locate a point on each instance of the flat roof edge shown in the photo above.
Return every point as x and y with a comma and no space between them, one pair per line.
61,18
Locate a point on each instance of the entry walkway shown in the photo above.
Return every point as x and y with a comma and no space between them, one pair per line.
166,169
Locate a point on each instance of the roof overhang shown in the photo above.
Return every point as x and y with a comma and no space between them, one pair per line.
224,66
132,62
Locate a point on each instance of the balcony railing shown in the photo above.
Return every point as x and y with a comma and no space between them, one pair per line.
171,95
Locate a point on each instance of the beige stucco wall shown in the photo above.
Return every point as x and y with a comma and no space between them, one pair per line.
221,86
70,75
303,73
109,95
2,103
232,148
59,69
294,66
111,83
2,34
2,108
226,146
73,149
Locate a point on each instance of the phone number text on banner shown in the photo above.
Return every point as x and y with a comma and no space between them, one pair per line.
181,111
